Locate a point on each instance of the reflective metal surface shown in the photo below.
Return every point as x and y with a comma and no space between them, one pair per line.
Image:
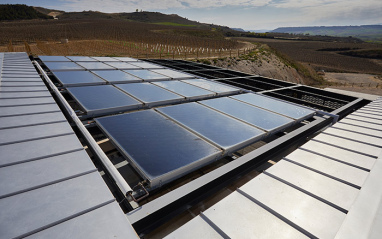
349,144
53,58
36,149
103,99
160,149
22,79
147,75
212,86
196,228
36,209
330,167
239,217
224,131
22,88
34,119
63,66
277,106
314,216
78,78
104,222
117,76
32,94
30,109
14,135
340,154
26,101
255,116
331,190
150,94
21,83
21,177
189,91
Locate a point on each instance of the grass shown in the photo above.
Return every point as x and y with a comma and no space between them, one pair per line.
174,24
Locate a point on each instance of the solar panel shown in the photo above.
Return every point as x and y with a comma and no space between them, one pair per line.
174,74
263,119
219,129
158,148
103,99
125,59
95,66
63,66
123,65
104,59
53,58
81,58
146,65
213,86
78,78
277,106
189,91
150,94
117,76
147,75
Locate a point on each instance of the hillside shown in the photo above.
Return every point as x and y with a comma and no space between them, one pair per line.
20,12
364,32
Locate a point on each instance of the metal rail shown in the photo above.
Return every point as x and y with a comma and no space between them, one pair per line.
117,177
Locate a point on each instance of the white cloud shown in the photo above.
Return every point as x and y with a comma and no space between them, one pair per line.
129,6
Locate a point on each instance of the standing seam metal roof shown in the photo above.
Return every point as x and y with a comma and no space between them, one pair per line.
49,186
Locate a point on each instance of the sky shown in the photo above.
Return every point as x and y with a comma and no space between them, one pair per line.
245,14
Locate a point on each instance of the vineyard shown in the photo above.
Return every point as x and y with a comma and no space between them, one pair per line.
114,37
328,56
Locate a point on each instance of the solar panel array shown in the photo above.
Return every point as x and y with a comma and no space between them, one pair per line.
168,123
281,89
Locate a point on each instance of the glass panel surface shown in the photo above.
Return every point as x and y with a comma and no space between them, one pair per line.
100,97
229,133
63,66
117,76
149,93
157,147
147,75
126,59
212,86
95,66
53,58
173,74
71,78
123,65
81,58
184,89
255,116
104,59
277,106
146,65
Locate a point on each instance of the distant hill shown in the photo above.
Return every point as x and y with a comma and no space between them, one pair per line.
364,32
238,29
20,12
